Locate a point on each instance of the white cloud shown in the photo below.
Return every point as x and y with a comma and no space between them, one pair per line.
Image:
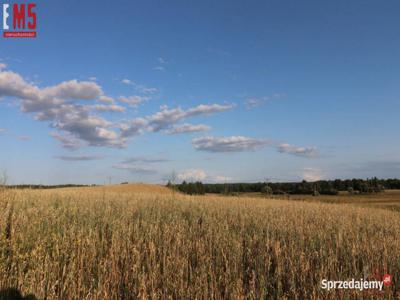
133,100
203,109
2,66
146,90
200,175
133,127
166,117
139,87
242,143
312,174
112,108
91,129
74,89
67,141
192,175
51,104
3,130
127,81
228,144
188,128
254,102
309,152
13,85
106,99
78,125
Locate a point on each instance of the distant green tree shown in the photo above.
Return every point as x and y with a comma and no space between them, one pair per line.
267,190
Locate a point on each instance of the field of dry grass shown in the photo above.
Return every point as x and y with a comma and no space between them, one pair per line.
141,241
390,199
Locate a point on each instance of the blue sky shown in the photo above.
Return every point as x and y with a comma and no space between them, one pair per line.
216,91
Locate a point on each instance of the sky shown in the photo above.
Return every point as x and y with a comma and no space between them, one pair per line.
217,91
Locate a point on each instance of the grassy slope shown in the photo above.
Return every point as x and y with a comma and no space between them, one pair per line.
390,199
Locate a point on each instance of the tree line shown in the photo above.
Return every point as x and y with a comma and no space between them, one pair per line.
324,187
45,187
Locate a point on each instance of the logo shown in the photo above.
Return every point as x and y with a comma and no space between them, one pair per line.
387,279
353,284
19,20
373,282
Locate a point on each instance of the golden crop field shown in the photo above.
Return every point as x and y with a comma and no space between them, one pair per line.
142,241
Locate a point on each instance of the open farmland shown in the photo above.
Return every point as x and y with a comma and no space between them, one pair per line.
390,199
143,241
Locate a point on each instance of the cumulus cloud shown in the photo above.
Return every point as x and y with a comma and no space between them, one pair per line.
12,84
112,108
2,66
167,117
188,128
76,124
77,157
133,101
106,99
203,109
228,144
242,143
94,130
67,141
200,175
192,175
74,89
139,87
312,174
298,151
53,104
133,127
135,169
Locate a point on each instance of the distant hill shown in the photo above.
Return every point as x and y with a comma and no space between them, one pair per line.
125,187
